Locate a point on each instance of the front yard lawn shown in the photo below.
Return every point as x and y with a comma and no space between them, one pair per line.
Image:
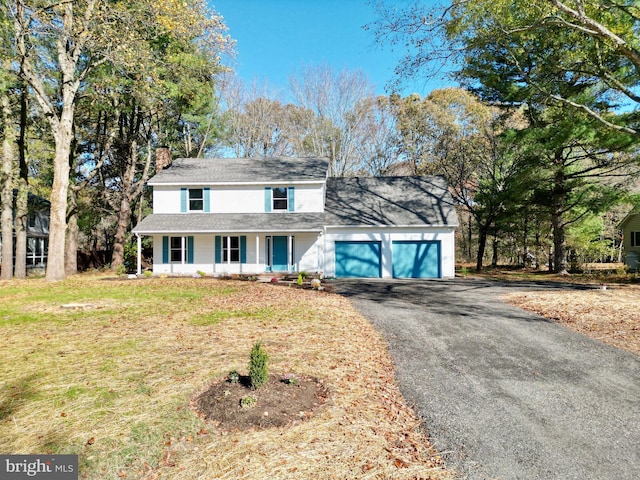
108,369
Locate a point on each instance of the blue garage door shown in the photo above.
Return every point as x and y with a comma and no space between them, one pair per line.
416,259
358,259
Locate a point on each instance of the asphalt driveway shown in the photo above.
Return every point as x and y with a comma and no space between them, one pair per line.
505,394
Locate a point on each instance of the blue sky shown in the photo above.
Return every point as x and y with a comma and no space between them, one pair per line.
275,38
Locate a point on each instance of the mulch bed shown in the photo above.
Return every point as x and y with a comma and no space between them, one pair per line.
278,403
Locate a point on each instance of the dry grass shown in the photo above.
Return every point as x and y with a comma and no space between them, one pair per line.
112,382
610,315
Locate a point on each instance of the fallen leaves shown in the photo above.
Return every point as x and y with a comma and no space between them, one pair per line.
611,316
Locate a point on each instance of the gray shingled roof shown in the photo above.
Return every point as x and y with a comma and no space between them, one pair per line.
399,201
230,222
189,171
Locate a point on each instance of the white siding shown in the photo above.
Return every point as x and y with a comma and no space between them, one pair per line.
306,250
239,199
386,236
166,200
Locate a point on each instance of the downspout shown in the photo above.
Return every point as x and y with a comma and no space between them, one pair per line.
324,250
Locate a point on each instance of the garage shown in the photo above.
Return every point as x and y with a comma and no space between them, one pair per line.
416,259
358,259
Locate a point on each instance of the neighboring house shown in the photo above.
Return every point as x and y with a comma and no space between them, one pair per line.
251,216
630,227
37,231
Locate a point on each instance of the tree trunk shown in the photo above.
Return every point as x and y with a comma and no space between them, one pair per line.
483,233
494,259
7,189
59,192
22,215
22,201
469,238
558,199
71,246
124,212
72,36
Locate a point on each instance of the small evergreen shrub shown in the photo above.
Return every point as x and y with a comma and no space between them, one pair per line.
300,279
248,401
233,377
258,370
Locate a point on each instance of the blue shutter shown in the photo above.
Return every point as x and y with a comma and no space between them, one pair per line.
291,202
165,249
218,249
190,249
267,199
207,200
183,200
243,249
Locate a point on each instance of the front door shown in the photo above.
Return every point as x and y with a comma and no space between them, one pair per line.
279,261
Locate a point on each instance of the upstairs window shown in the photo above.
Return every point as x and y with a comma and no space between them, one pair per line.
196,199
280,198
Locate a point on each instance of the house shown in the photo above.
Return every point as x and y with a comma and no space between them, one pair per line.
630,226
37,231
251,216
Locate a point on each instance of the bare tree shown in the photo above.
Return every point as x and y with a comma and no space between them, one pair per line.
336,100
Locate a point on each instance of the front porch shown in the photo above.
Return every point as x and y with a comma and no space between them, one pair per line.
234,254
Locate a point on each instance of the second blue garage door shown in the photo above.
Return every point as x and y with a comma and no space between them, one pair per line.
358,259
416,259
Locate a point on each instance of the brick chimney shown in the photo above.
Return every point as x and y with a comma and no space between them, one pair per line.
163,158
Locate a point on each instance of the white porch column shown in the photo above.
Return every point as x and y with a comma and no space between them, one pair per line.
139,241
289,252
257,253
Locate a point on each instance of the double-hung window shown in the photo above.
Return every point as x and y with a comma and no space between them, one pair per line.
280,198
177,249
196,199
635,239
231,249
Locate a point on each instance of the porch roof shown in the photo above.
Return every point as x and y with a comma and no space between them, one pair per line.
181,223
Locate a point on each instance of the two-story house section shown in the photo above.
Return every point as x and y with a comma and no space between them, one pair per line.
252,216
